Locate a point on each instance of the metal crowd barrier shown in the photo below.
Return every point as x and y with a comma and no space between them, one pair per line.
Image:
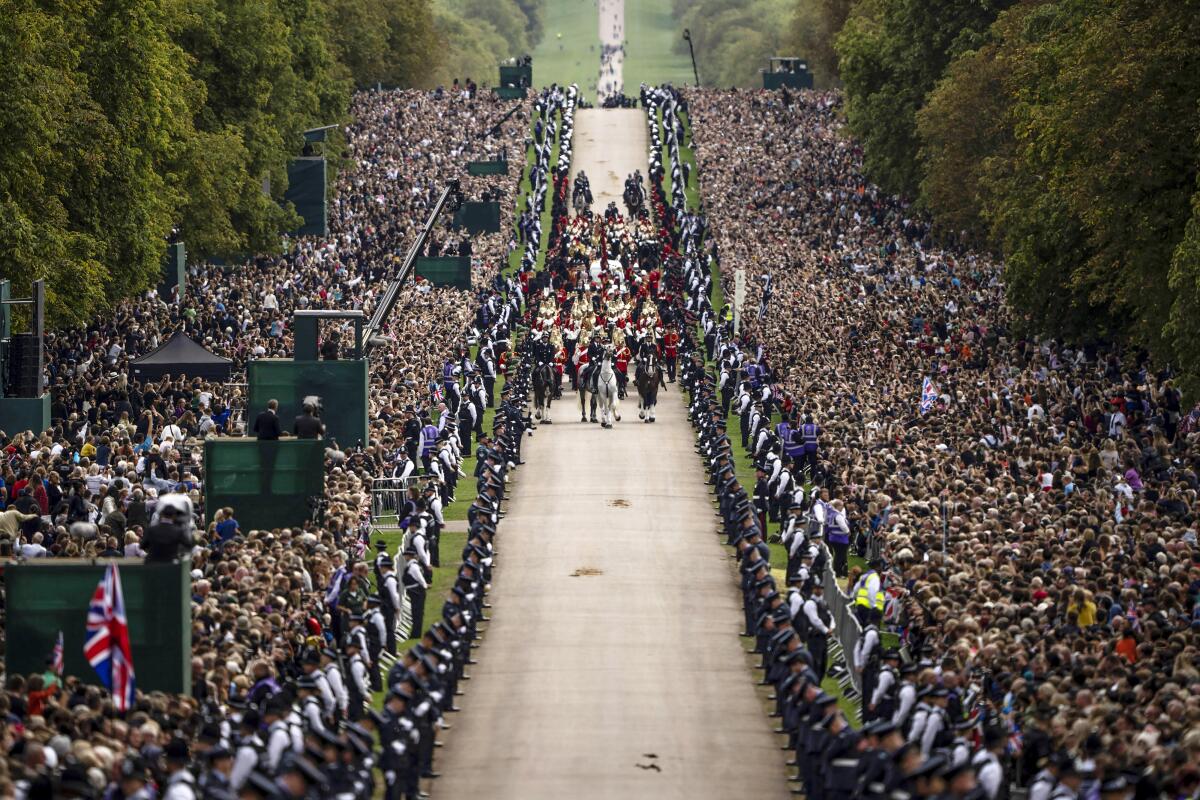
845,624
389,494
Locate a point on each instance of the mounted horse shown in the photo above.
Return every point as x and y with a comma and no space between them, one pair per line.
600,386
543,391
647,378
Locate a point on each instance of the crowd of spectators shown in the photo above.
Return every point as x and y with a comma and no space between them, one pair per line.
1036,518
117,445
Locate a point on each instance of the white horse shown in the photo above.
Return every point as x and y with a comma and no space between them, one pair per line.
606,391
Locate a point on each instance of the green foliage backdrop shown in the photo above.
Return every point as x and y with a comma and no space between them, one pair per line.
127,119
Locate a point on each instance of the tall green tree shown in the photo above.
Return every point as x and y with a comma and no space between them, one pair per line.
51,126
1072,140
891,53
814,28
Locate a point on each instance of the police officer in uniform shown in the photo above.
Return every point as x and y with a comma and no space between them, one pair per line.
399,739
866,662
882,703
358,683
415,587
389,600
818,622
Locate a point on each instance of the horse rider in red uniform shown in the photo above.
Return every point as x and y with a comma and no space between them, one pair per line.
621,359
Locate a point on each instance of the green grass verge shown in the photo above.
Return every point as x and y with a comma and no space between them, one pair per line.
570,48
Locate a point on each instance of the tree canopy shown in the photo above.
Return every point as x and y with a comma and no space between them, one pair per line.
128,120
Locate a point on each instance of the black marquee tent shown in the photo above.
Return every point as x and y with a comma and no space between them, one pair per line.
181,356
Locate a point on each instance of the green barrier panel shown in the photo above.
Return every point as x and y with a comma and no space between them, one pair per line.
341,385
478,217
792,80
496,167
306,191
510,92
45,596
268,484
516,75
19,414
446,271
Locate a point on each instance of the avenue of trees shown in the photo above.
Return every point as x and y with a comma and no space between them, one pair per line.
127,119
1061,135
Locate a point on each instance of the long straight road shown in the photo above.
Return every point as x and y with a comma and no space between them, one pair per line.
612,667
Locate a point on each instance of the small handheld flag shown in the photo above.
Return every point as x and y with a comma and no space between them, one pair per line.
929,395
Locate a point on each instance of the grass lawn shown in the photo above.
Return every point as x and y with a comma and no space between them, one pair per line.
570,48
651,32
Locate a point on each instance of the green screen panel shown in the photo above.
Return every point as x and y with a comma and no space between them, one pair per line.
496,167
446,271
479,217
306,191
46,596
268,484
516,75
341,385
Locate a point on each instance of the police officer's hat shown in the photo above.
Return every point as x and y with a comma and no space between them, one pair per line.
890,653
909,668
881,727
952,769
1117,784
302,766
372,600
930,766
939,691
401,691
356,617
260,784
307,682
218,752
824,699
330,738
385,561
796,506
966,724
328,652
310,656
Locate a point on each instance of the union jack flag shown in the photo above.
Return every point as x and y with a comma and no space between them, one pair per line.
106,646
56,656
929,395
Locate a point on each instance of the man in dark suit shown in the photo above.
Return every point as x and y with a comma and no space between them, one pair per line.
267,429
266,424
308,425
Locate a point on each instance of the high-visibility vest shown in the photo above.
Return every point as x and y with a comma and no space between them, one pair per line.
862,597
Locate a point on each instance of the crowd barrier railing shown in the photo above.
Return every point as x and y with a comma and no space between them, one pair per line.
845,624
388,495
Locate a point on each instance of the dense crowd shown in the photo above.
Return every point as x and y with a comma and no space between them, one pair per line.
1027,503
273,611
